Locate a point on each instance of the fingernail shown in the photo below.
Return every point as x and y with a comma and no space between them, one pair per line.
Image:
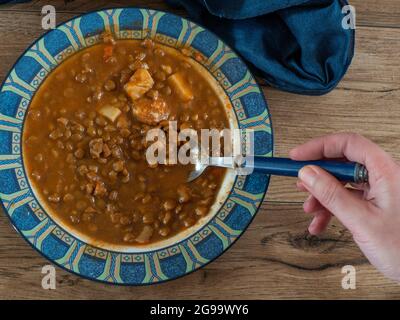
313,223
311,227
307,200
308,175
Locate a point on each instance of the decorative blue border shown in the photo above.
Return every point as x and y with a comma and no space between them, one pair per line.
56,244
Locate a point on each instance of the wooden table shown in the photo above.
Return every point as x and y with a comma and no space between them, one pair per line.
276,257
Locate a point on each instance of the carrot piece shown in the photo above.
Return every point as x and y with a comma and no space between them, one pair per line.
108,52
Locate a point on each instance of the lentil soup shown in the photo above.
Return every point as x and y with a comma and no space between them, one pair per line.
84,142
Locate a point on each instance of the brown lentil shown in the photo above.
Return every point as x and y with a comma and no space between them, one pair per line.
90,167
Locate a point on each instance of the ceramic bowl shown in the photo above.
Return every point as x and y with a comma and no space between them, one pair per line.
237,202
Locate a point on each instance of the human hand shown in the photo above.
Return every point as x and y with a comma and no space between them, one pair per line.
370,212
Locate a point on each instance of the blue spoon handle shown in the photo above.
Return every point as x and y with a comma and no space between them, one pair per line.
343,171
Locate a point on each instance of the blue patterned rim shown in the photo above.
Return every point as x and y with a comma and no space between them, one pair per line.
63,248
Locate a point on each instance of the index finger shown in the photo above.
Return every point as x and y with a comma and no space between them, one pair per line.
352,146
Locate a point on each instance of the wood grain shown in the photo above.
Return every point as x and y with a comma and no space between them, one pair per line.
275,258
366,102
384,13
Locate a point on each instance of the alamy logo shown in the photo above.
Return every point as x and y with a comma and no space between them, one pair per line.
349,280
230,147
49,279
349,20
49,18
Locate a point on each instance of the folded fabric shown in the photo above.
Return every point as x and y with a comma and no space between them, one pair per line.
295,45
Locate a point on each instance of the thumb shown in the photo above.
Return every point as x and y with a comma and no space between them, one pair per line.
350,210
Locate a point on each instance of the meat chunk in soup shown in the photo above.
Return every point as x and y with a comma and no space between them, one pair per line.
140,82
150,111
85,152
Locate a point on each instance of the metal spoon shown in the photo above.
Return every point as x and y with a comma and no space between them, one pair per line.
343,171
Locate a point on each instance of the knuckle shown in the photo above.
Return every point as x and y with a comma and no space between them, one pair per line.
354,137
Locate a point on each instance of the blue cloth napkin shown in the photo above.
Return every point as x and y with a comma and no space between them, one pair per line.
295,45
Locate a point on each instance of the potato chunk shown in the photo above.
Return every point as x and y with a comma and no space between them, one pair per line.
145,235
150,111
180,86
110,112
140,82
